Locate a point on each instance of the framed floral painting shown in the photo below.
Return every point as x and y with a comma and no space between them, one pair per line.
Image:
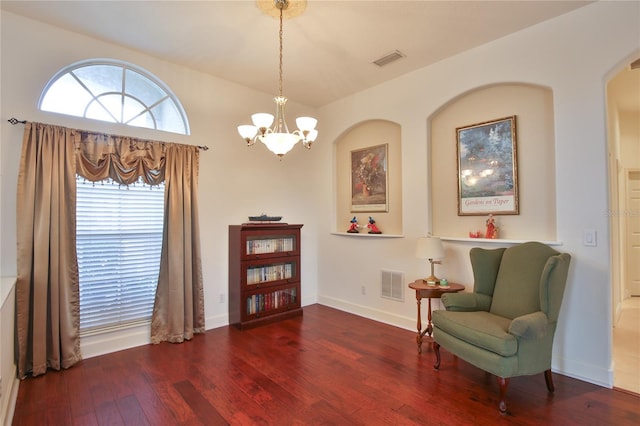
369,179
488,168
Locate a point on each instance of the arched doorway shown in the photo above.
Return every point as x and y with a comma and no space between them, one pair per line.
623,122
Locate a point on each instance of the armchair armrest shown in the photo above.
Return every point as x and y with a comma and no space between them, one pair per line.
466,302
530,326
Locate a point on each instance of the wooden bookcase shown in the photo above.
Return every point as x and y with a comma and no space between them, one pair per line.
264,273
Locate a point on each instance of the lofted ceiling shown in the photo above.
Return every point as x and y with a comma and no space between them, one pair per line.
328,50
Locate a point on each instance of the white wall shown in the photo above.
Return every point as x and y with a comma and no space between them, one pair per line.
235,181
572,55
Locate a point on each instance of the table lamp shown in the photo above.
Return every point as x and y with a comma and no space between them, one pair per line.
430,248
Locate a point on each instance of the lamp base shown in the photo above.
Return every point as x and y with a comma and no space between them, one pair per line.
431,280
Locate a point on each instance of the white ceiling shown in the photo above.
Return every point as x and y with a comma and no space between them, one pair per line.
328,50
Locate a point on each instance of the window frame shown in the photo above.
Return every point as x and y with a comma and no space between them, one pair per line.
122,92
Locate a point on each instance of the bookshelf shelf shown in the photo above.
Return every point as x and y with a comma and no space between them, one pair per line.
264,273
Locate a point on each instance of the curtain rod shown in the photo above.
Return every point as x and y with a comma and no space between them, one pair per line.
15,121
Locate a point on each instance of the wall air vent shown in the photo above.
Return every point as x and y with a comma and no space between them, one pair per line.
387,59
392,285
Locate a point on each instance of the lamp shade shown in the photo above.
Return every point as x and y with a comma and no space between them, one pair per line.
262,119
429,248
247,131
279,143
306,123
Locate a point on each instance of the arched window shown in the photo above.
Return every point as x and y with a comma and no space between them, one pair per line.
114,91
118,228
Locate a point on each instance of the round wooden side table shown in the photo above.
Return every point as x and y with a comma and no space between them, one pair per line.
423,290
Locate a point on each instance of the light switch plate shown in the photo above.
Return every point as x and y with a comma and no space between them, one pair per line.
589,238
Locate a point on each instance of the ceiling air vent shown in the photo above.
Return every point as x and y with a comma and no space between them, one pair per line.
635,65
387,59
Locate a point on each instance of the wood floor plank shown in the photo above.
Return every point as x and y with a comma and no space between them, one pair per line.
131,411
207,414
326,367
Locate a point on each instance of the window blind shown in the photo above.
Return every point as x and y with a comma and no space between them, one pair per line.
119,240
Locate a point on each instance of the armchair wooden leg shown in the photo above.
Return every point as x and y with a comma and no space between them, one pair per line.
436,349
549,379
503,383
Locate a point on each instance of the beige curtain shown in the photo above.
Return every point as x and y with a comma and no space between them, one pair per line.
47,308
47,302
120,158
178,312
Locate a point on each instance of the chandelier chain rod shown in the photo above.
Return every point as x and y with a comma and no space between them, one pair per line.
281,36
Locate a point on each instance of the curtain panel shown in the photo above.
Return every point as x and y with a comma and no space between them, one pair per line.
47,299
178,310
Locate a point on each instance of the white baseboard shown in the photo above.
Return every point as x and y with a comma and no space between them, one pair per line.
138,335
400,321
114,341
585,372
217,321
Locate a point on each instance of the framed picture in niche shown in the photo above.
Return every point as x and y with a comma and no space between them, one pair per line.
369,179
487,168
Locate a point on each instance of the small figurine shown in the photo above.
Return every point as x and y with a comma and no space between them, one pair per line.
492,229
353,228
373,229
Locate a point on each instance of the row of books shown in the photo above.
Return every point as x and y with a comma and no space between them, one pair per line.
270,245
269,273
264,302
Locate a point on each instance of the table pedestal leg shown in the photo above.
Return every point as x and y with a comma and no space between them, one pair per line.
420,333
429,325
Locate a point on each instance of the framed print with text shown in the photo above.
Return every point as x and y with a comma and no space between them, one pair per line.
487,168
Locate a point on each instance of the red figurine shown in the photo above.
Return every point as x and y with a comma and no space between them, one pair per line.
492,229
373,229
353,228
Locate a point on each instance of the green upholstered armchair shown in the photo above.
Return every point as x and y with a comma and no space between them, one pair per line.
506,326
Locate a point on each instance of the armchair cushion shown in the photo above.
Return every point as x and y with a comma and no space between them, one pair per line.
517,288
466,302
530,326
486,264
481,329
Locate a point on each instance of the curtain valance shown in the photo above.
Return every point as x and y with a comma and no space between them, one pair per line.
100,156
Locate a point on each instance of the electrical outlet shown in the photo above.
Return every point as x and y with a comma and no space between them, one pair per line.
221,297
363,290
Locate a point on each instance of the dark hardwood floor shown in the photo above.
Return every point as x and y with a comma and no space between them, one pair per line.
327,367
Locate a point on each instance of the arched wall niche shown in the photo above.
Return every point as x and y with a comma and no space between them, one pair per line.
535,151
361,136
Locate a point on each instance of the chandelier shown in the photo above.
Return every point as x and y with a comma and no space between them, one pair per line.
273,132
